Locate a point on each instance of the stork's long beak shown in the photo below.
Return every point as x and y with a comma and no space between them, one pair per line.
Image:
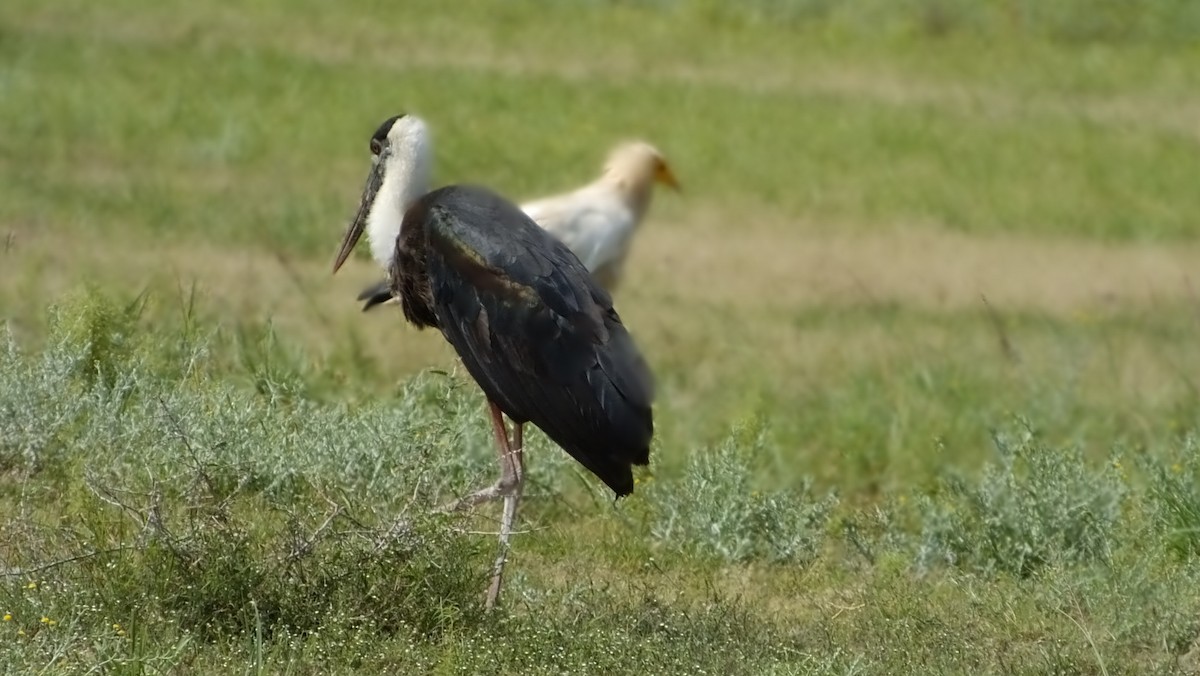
355,230
667,177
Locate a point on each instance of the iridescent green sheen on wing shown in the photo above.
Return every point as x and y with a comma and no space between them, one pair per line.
530,324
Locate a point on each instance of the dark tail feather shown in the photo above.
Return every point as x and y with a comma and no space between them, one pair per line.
612,436
376,294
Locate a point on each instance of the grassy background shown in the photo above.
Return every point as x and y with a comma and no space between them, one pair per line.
925,322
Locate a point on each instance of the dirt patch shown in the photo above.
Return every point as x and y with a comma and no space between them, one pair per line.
793,266
695,258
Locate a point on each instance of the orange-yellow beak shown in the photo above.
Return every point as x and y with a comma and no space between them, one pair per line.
667,178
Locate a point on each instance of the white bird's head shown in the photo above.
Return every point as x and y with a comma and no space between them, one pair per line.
401,164
637,166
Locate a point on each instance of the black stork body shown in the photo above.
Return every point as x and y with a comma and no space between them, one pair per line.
533,329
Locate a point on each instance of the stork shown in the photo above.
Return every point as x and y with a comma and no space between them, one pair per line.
537,334
598,221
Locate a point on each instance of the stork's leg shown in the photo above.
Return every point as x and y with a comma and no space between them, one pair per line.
511,501
512,475
518,450
508,468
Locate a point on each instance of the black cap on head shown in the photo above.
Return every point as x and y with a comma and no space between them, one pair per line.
382,132
379,138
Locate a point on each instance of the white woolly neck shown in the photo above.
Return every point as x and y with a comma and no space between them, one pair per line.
406,176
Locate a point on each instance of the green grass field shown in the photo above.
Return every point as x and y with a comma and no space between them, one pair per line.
925,321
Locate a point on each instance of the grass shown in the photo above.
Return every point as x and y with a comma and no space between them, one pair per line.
924,323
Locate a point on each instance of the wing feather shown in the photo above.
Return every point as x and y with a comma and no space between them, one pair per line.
536,332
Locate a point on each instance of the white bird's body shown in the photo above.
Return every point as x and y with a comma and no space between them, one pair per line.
593,224
598,221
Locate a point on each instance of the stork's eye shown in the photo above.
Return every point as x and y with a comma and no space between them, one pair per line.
376,146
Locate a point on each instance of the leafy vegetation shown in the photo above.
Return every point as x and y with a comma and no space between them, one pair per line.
1039,505
714,509
924,324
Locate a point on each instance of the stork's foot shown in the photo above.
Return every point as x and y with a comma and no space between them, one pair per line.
503,488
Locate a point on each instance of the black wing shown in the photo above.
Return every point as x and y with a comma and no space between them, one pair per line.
536,332
376,294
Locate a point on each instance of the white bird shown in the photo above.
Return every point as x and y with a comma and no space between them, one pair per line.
598,221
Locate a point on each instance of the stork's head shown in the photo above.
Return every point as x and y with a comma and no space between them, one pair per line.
401,162
639,166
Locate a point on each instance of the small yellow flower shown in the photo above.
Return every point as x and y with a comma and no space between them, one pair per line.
20,632
8,617
31,585
51,623
1176,468
116,626
45,619
121,632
